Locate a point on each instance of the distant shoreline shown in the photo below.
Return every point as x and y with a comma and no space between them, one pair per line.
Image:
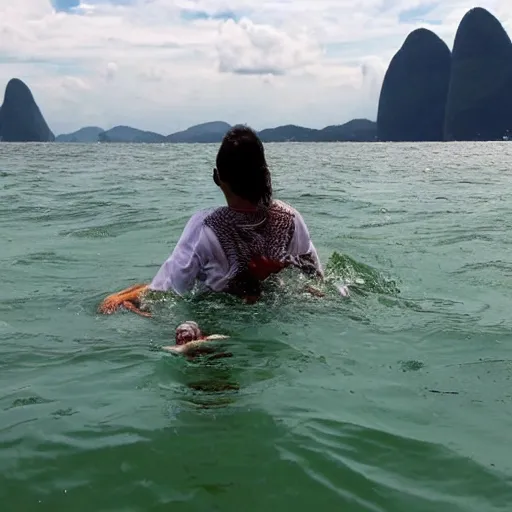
356,130
408,143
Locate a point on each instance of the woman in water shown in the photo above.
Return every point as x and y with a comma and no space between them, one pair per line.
233,248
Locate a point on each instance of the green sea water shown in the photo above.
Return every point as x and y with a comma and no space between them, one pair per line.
398,399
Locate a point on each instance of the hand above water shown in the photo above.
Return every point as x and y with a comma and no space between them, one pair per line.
129,298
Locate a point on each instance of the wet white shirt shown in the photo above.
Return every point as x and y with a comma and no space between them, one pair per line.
199,258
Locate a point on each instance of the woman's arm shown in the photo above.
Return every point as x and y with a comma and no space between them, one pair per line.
302,253
177,274
129,298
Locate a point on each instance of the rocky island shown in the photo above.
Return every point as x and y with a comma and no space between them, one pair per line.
413,95
432,94
479,105
20,117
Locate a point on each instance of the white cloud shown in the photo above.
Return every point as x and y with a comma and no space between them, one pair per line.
166,64
247,48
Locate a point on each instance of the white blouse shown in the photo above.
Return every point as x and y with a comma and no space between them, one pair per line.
198,257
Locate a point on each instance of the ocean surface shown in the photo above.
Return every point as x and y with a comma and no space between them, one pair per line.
398,399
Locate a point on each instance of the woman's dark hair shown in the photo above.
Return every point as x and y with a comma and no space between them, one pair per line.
241,163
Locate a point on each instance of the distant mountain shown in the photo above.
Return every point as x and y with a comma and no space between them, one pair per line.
288,133
357,130
87,134
480,97
20,117
413,96
361,130
129,134
206,132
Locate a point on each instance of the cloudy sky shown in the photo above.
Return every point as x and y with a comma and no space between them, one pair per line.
164,65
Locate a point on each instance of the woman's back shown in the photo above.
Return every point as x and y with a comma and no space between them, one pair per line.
218,245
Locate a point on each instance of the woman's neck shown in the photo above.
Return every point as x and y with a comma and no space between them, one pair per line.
241,205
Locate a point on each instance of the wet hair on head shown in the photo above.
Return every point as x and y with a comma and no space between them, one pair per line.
241,163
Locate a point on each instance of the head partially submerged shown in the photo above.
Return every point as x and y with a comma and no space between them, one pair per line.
187,332
242,169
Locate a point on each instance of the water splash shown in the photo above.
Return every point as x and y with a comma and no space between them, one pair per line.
345,272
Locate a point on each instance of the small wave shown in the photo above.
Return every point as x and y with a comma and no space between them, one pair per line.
27,401
358,276
46,257
469,237
502,266
377,470
110,230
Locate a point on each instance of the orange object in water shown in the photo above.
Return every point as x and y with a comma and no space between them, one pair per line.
129,298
